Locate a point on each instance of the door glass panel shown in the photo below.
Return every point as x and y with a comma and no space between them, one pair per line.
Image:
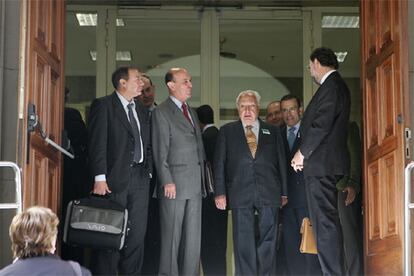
262,55
80,68
157,45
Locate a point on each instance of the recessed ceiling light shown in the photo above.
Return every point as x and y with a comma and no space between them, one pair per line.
340,21
123,56
120,55
340,56
93,55
87,19
120,22
91,19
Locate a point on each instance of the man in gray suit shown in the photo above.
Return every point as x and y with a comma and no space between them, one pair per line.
179,161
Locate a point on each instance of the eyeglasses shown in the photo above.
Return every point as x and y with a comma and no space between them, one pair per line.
290,109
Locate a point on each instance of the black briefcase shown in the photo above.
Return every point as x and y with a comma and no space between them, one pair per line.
95,222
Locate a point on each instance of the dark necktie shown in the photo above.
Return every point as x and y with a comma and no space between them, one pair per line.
185,112
251,140
135,132
291,136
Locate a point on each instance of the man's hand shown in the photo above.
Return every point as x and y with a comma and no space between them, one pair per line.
169,191
221,202
350,197
101,188
284,200
297,161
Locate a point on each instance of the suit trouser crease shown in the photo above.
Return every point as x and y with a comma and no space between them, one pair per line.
323,209
252,258
180,222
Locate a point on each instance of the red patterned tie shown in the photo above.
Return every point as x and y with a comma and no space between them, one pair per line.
185,112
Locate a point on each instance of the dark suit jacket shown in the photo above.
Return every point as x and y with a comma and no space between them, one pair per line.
42,266
324,129
296,181
111,142
240,176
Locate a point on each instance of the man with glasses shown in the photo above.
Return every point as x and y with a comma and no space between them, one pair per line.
121,162
250,177
323,156
296,209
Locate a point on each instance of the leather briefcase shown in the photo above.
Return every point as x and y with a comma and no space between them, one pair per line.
308,244
95,222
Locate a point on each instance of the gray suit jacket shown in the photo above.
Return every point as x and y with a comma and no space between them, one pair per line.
178,150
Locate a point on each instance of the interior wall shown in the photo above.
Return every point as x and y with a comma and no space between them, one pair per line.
9,71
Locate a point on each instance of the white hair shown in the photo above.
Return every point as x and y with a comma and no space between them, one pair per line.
251,93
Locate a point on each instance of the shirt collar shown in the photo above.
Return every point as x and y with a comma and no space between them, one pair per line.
255,125
326,76
176,101
296,127
124,101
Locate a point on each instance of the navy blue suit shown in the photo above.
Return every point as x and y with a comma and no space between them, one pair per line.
293,213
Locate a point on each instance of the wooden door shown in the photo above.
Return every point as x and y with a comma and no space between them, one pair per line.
44,78
385,111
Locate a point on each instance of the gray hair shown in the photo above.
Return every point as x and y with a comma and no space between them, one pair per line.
248,92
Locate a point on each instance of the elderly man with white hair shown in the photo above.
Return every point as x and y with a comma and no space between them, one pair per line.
250,177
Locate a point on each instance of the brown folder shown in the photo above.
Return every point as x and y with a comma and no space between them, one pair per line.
308,244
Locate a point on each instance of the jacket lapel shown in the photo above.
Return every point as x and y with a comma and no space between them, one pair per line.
179,116
120,112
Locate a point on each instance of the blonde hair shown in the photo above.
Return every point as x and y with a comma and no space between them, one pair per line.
33,232
251,93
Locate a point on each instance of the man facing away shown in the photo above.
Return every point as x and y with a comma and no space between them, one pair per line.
121,161
214,221
296,209
323,156
250,171
179,161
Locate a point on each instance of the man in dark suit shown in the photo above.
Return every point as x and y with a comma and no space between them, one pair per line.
152,237
179,162
120,160
323,156
349,205
214,221
296,209
250,171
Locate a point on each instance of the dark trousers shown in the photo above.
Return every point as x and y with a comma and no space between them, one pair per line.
351,222
254,257
323,209
152,237
297,263
213,238
129,260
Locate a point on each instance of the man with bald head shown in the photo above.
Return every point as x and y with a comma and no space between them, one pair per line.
274,114
179,161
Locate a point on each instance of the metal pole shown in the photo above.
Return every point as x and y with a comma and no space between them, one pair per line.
408,206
